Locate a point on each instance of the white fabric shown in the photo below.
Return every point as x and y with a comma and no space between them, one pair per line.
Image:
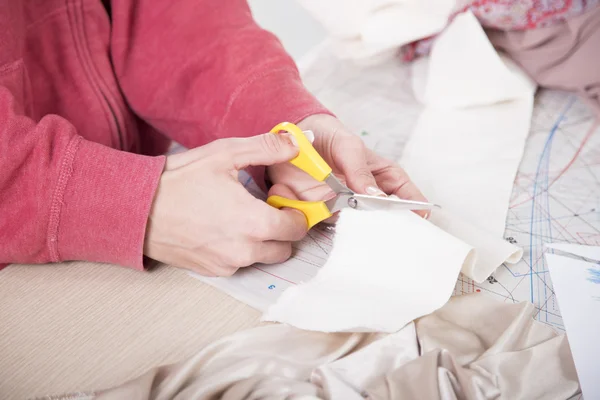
386,269
491,250
465,150
464,70
363,29
381,274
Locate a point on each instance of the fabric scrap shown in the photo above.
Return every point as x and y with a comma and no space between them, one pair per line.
386,269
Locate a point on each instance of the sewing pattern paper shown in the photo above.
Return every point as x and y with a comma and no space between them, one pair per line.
577,286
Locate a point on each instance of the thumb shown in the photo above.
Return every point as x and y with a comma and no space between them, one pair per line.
266,149
351,158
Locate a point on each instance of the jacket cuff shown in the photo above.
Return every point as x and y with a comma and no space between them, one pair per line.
266,99
101,205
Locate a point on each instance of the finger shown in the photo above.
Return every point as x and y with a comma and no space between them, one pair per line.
180,159
279,189
273,252
286,224
350,155
319,193
265,149
395,180
308,134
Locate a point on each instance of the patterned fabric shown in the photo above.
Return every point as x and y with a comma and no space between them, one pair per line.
510,15
526,14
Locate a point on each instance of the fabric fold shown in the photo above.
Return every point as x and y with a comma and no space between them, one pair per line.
512,357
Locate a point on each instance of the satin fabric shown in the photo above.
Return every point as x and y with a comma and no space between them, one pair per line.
473,348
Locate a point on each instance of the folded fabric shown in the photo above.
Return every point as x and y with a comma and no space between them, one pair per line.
369,30
474,348
464,70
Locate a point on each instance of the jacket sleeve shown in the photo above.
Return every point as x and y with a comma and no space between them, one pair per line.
63,197
199,70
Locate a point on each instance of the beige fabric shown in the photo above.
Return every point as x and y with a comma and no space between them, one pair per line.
472,348
82,325
565,55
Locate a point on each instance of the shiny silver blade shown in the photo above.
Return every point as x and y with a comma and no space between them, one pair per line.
342,200
365,202
334,183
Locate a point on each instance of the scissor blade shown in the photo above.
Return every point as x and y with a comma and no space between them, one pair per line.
334,183
365,202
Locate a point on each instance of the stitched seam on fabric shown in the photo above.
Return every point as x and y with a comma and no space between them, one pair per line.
253,78
66,170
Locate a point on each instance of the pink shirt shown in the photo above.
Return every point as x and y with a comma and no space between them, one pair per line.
88,103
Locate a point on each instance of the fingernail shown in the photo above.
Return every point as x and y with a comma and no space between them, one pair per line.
427,214
375,191
309,135
291,138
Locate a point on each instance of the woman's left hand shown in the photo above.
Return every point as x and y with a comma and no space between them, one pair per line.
362,170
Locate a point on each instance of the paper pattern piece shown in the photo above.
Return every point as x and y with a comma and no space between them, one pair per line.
577,286
589,252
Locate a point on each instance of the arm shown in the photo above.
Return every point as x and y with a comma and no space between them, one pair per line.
63,197
199,70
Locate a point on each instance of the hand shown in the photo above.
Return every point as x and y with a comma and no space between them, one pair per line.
361,169
204,220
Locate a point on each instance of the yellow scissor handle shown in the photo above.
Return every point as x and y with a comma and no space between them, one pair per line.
308,160
314,211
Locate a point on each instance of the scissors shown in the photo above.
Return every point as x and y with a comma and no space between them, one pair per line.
311,162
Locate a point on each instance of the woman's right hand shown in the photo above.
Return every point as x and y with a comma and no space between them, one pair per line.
204,220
